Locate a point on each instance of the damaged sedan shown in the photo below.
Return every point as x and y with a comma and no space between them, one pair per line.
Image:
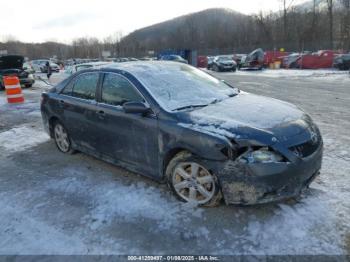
177,124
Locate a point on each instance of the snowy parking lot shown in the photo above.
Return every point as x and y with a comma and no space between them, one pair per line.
52,203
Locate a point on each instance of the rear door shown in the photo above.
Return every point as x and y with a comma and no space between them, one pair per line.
78,101
131,138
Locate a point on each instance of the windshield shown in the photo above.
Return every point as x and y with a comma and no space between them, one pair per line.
177,86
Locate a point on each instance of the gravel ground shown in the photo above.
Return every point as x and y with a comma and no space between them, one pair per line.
53,203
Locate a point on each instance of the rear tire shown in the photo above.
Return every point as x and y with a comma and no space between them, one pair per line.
192,182
62,139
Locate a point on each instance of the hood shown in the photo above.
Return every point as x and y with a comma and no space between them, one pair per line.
11,62
256,55
248,116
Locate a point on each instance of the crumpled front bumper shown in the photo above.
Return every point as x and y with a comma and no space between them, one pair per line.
249,184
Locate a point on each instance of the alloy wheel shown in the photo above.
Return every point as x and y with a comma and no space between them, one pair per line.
193,183
61,138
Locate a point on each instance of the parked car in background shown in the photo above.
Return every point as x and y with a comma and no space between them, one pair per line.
122,59
39,64
289,61
146,58
28,68
175,58
255,60
177,124
133,59
238,58
76,68
317,60
54,68
210,62
224,63
12,65
342,62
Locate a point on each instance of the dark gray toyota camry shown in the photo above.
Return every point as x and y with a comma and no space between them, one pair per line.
177,124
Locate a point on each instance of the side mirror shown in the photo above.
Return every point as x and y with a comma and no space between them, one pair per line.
136,108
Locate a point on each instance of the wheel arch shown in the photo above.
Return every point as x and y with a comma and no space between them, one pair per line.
170,154
52,120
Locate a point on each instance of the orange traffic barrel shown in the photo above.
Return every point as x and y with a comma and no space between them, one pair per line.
13,89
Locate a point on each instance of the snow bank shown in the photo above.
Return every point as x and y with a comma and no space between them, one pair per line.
291,73
21,138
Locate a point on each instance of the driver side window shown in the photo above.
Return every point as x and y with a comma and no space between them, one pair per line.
116,90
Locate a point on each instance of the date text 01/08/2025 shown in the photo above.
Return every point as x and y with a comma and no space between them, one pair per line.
173,258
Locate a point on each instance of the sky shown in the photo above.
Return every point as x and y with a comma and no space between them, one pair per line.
64,20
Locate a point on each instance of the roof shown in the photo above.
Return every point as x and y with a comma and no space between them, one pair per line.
142,66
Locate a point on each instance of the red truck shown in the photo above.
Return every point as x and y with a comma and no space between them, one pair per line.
274,56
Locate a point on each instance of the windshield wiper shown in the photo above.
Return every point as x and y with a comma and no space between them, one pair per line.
188,107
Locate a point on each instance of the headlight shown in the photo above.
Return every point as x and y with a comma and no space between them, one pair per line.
30,76
262,155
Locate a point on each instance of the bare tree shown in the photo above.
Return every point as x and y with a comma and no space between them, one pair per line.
330,6
286,6
346,24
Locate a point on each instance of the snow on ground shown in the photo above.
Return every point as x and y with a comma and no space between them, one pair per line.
86,210
3,100
21,138
32,236
111,210
327,74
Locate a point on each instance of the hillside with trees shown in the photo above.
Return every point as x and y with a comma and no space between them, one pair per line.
320,24
315,25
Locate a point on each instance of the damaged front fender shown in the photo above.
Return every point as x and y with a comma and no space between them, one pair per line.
248,184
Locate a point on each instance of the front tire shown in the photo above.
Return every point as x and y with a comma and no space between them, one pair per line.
192,182
62,139
216,68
